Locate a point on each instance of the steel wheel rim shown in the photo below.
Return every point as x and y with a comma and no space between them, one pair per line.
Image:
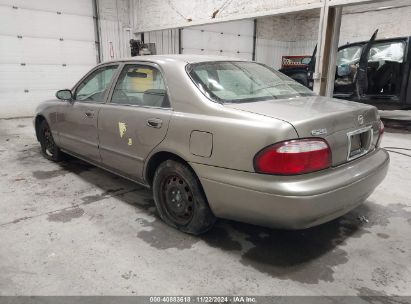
48,142
178,199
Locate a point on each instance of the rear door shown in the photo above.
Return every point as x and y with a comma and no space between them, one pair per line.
135,120
77,122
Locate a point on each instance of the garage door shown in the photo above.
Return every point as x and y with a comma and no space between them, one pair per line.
233,39
45,45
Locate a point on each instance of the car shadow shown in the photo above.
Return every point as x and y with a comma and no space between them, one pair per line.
306,256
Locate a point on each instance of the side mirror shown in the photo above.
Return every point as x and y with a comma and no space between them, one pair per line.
64,94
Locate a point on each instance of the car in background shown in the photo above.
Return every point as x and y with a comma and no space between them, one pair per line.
302,73
376,72
217,137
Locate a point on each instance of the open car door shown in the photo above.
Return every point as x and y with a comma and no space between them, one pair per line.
311,69
361,79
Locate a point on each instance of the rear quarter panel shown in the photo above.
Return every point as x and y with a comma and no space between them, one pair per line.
236,137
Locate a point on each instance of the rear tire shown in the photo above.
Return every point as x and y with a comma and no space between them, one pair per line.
49,148
180,199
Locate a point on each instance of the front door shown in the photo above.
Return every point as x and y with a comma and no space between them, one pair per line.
361,81
77,122
135,120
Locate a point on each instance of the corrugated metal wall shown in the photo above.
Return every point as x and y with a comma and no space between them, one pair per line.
166,41
115,28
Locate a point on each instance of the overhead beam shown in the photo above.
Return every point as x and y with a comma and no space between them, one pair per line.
241,16
352,2
180,22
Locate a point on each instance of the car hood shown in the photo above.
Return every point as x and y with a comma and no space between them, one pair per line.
308,114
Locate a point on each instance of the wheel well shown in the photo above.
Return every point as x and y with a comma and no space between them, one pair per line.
157,159
38,121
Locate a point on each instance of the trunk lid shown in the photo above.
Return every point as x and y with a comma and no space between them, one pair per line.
317,116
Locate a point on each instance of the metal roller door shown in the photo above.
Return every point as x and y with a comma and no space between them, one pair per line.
233,39
45,45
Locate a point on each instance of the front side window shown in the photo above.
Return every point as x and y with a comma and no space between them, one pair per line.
95,86
140,85
236,82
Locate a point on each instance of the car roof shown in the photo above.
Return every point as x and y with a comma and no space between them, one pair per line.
187,58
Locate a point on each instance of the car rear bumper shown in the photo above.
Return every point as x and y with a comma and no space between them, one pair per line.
292,202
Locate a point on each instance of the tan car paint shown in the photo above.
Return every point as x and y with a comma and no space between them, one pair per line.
115,151
338,117
238,132
77,128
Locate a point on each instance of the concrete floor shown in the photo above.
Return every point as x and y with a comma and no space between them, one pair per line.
73,229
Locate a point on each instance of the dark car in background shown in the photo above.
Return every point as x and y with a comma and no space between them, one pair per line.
303,72
374,72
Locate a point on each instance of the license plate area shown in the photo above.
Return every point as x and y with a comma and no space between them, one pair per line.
359,142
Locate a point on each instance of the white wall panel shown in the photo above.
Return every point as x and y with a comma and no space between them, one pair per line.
46,51
39,77
75,7
42,51
19,104
233,39
31,23
23,87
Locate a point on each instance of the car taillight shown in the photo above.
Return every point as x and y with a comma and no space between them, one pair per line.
381,132
294,157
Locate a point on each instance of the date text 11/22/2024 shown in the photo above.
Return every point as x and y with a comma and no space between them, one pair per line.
203,299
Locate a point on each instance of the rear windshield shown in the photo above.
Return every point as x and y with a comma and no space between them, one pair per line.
237,82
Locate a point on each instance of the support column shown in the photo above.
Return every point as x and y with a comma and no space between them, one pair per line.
329,29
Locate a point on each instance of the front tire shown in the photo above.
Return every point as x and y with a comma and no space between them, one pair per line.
49,148
180,199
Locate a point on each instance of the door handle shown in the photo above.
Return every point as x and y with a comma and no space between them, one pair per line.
89,114
154,123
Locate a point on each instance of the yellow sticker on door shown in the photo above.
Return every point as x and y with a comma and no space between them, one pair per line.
122,128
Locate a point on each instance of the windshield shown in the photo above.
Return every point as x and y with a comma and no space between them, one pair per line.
349,55
236,82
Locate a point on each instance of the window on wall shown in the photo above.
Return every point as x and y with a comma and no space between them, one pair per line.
95,86
140,85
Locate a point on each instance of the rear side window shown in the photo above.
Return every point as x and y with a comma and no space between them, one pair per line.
140,85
